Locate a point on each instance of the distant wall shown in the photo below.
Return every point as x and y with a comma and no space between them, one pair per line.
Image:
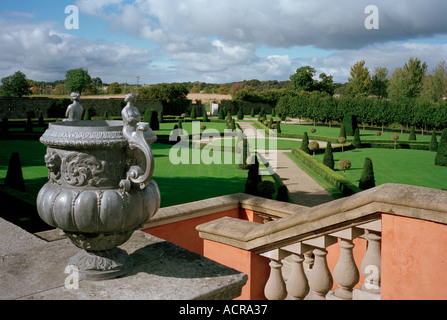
19,108
234,105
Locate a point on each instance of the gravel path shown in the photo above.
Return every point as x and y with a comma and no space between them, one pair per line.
302,188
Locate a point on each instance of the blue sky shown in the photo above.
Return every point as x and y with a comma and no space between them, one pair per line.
216,41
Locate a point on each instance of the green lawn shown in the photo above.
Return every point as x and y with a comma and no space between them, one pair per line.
178,183
414,167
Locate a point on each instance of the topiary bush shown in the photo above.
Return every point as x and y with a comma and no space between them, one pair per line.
14,176
357,142
253,178
433,142
328,159
305,143
344,164
395,137
221,114
266,189
350,124
367,180
283,194
151,117
441,155
342,131
313,146
412,136
193,113
240,114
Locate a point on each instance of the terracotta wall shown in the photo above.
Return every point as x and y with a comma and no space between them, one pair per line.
414,259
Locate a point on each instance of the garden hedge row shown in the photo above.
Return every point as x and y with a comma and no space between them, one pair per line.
342,184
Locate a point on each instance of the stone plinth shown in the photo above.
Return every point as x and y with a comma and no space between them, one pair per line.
162,271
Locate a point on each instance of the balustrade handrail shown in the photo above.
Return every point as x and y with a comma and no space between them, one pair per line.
307,222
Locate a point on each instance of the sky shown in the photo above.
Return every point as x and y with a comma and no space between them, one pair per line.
214,41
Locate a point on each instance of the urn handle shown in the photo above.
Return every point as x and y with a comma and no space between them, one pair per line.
137,140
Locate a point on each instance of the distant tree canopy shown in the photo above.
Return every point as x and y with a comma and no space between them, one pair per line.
164,91
303,80
77,80
16,85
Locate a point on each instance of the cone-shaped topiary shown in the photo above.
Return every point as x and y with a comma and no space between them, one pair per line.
441,155
412,136
221,114
433,142
252,113
305,143
282,194
240,114
328,159
193,113
14,176
342,131
350,123
278,127
205,117
357,142
367,180
253,178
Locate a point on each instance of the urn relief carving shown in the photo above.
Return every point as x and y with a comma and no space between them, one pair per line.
100,188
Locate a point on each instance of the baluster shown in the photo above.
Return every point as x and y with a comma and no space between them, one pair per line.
275,288
346,274
308,262
320,278
370,266
370,269
297,284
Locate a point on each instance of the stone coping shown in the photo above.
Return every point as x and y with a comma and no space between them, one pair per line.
222,203
34,269
397,199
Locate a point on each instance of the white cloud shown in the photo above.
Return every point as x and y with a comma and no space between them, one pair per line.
44,54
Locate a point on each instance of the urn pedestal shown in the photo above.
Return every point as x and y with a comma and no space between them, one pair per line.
99,190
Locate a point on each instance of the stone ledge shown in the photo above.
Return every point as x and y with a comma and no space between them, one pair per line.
162,271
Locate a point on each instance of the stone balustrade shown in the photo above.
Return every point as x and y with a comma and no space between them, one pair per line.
297,244
310,277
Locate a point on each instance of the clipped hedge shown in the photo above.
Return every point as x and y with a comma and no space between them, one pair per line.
342,184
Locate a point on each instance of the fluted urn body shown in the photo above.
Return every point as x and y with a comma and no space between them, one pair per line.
99,190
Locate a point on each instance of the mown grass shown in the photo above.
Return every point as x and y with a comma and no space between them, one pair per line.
413,167
178,183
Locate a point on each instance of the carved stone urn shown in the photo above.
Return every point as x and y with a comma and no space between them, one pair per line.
99,190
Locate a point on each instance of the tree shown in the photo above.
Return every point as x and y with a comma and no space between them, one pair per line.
434,86
15,85
326,84
415,71
221,115
164,91
114,88
367,180
76,80
193,113
406,82
359,84
253,178
151,117
303,80
379,82
328,159
350,124
342,131
441,155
